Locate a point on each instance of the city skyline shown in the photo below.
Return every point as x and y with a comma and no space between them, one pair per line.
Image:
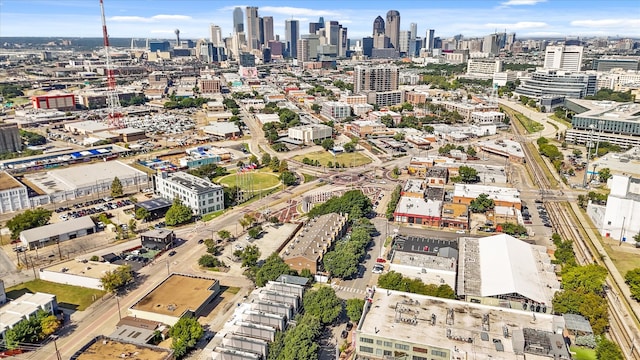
527,18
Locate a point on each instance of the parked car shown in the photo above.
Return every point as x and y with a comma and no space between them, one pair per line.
460,231
344,334
377,269
172,252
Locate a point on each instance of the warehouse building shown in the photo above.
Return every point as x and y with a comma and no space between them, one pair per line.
57,232
13,194
79,272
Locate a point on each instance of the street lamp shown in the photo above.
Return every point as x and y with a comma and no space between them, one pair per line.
586,168
600,123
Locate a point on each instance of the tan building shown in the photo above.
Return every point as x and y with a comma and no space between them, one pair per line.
501,196
415,98
364,128
210,85
313,240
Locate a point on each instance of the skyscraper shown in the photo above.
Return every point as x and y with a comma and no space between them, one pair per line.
378,26
367,46
490,44
378,78
413,28
392,27
429,40
238,25
563,57
268,28
215,35
253,27
291,33
403,42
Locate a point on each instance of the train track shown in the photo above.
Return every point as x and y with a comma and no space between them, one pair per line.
568,229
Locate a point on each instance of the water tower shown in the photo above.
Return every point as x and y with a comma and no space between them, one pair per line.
177,31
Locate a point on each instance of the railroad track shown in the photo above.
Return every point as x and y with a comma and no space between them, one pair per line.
568,229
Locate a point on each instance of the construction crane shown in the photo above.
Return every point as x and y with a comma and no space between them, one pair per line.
113,101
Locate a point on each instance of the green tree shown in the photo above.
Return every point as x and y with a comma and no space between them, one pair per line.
589,305
178,213
513,229
142,214
632,278
272,268
25,331
471,151
283,166
608,350
28,220
354,309
300,343
248,255
604,174
224,235
288,178
315,108
340,262
349,147
116,188
352,202
468,174
114,281
210,261
185,335
265,159
49,324
253,160
327,144
481,204
323,303
588,278
275,163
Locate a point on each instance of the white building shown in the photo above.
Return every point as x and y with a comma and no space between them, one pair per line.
201,195
335,110
361,109
57,232
622,215
13,194
487,117
563,57
25,307
484,67
310,133
503,77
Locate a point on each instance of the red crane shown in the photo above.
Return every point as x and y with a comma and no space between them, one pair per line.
113,101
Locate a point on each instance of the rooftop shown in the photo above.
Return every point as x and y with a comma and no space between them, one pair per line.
176,294
8,182
451,324
92,269
157,233
508,147
423,245
414,186
437,171
501,264
418,206
104,348
48,231
221,128
609,110
315,236
494,192
154,204
200,185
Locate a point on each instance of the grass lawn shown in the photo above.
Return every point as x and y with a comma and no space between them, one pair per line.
348,159
528,124
308,178
561,120
259,180
68,296
538,158
583,353
213,215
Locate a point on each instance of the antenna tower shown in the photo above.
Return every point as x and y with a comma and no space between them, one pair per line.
113,102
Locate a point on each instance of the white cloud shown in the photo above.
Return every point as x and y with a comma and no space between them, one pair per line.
621,23
296,11
518,26
231,8
521,2
155,18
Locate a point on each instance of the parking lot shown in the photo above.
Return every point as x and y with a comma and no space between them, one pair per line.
92,207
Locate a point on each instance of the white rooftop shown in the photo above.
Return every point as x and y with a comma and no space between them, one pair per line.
418,206
493,192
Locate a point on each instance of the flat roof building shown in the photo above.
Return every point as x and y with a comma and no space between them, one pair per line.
57,232
13,194
614,122
415,326
78,272
512,150
310,133
103,347
156,208
313,240
501,196
201,195
503,271
558,83
158,239
25,307
222,130
177,296
413,210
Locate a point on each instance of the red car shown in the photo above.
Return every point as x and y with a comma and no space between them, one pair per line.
381,260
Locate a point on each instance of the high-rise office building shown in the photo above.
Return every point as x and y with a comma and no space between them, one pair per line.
563,57
314,27
429,40
321,22
413,29
403,42
268,29
378,78
238,24
291,33
343,41
308,47
491,44
334,33
367,46
392,27
378,26
215,35
261,28
253,27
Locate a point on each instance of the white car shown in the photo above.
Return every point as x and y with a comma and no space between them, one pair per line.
460,231
238,247
377,269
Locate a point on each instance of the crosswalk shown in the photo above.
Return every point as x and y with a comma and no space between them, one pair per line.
348,289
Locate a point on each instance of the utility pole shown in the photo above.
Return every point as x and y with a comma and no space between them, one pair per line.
118,302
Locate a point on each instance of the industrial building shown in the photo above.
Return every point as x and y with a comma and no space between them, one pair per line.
158,239
10,140
201,195
398,324
503,271
177,296
222,130
156,208
13,194
62,102
415,210
306,249
57,232
78,272
598,121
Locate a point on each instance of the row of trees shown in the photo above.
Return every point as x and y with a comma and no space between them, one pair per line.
342,262
395,281
550,151
352,202
28,220
393,202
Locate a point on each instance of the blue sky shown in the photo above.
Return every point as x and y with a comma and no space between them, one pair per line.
158,18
